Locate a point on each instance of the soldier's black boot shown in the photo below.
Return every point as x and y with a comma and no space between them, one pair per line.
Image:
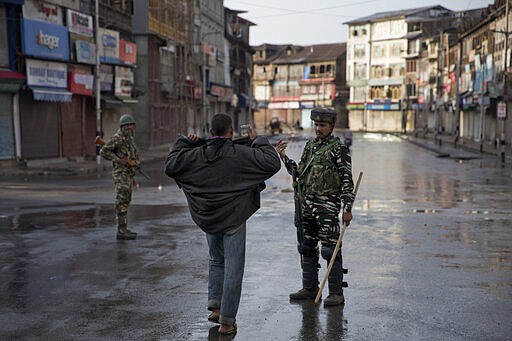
335,279
304,294
124,234
309,280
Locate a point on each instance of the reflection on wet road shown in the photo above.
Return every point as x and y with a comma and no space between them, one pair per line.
428,255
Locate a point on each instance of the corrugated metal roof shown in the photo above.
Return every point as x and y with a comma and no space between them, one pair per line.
392,15
312,53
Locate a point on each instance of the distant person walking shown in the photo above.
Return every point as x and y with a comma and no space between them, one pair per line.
222,182
322,180
121,150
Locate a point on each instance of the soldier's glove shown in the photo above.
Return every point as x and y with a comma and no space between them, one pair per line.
124,162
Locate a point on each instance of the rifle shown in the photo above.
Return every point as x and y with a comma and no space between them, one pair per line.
297,198
131,163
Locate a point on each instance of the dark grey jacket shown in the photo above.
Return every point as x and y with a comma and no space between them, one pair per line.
222,180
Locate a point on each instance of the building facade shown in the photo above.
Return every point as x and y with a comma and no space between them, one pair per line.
50,52
378,47
290,80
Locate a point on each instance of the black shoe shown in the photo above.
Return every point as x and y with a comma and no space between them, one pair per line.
124,234
304,294
334,300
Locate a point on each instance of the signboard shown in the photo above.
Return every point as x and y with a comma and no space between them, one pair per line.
47,74
355,106
109,46
81,82
307,104
43,11
284,105
127,52
391,106
85,52
501,110
79,23
106,78
40,39
123,81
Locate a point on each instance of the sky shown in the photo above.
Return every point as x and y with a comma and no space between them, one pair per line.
307,22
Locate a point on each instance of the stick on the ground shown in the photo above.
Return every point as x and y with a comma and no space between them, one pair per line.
337,248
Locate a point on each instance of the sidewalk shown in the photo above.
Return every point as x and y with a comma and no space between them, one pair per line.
465,149
73,166
444,146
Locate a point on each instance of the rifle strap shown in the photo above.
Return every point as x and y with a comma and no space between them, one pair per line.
319,151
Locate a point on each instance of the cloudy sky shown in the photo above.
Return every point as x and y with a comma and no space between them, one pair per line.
305,22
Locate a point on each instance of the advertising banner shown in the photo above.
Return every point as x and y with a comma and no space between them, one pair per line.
79,23
106,78
43,11
81,82
109,46
40,39
123,81
46,74
127,52
85,52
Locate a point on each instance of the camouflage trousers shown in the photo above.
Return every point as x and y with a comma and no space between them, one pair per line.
320,223
123,184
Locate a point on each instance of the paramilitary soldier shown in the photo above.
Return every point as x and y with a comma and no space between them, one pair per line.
323,179
121,150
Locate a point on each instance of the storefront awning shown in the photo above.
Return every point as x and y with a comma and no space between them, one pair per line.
51,94
11,81
111,102
128,100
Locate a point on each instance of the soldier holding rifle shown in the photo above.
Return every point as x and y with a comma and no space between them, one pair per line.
121,150
322,180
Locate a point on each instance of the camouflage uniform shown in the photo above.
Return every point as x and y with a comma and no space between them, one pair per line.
324,176
120,145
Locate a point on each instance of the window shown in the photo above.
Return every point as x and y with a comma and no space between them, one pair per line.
378,71
359,51
377,92
359,94
360,71
378,51
395,50
396,92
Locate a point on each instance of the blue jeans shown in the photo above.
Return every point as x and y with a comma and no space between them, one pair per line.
227,262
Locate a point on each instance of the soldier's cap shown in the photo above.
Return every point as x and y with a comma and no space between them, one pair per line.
323,115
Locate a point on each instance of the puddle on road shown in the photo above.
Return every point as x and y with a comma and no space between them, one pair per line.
82,216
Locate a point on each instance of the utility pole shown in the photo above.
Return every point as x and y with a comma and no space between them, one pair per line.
482,111
501,146
97,76
457,95
439,113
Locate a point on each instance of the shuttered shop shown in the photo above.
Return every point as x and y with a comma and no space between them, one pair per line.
6,130
39,123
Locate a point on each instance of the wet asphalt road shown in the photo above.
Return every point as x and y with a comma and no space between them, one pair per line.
428,254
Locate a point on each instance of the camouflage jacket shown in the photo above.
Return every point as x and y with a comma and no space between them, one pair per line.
324,170
119,146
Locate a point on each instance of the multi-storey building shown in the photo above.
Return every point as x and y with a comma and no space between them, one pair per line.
294,79
263,78
378,47
50,47
240,52
166,72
